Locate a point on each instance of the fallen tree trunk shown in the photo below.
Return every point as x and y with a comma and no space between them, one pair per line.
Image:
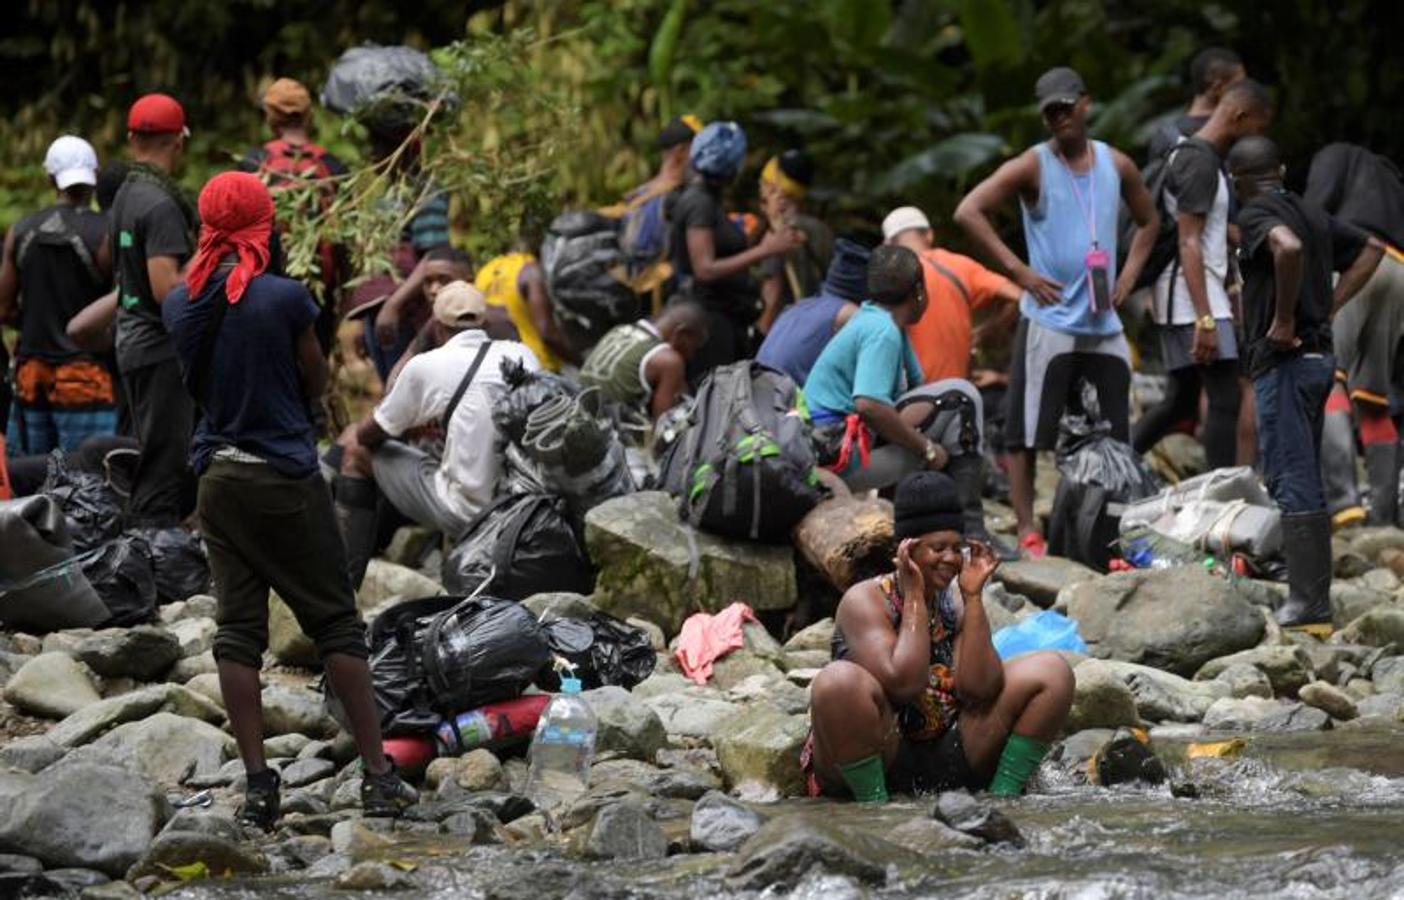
847,538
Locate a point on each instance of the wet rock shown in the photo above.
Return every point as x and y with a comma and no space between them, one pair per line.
292,710
627,724
1385,706
932,838
817,636
1126,758
478,825
1075,751
741,665
1351,601
643,554
1256,714
374,876
625,831
306,771
1174,619
195,636
1330,699
759,749
95,817
559,605
1360,688
478,770
506,807
1388,675
783,695
191,666
786,849
687,715
1162,696
113,890
682,784
91,721
30,754
204,821
360,838
306,849
1379,627
143,652
1245,680
1287,668
165,748
969,816
14,864
51,686
1040,580
221,856
721,824
1101,699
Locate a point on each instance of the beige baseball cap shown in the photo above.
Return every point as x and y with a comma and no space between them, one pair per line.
460,305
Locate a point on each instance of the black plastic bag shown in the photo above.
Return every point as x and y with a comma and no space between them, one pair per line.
93,510
526,391
603,650
520,546
122,574
383,87
178,558
42,587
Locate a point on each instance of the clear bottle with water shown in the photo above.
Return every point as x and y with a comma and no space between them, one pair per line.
562,750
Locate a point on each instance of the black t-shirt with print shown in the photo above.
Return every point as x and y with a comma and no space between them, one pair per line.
56,282
1327,245
147,222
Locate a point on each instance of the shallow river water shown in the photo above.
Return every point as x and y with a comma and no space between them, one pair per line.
1294,816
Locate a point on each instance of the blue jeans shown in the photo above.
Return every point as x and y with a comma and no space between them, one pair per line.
1291,409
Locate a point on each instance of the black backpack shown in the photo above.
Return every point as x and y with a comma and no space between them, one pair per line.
584,268
520,546
441,656
744,466
1165,251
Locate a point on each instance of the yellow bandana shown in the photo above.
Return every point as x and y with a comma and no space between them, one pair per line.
774,175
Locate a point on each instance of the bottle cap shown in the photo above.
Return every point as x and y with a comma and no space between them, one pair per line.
570,685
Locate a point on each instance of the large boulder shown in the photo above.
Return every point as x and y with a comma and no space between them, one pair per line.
1174,619
626,831
143,652
1162,696
1257,714
785,849
98,718
1100,699
759,752
1041,579
220,855
645,559
85,816
51,685
627,724
721,824
164,748
294,710
1287,667
384,585
686,714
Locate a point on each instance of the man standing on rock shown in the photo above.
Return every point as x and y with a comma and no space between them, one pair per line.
249,353
916,698
1289,249
1069,189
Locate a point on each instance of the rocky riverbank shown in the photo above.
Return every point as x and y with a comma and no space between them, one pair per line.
117,775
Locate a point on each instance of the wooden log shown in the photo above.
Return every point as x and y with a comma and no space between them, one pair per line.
847,538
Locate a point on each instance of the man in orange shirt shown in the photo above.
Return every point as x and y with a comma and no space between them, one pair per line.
955,285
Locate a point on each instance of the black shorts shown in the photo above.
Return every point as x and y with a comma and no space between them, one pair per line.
928,767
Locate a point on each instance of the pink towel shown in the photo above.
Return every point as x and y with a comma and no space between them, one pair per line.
706,638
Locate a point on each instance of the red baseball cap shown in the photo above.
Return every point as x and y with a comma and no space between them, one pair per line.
157,114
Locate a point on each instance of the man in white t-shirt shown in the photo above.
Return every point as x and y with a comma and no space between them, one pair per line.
454,387
1191,306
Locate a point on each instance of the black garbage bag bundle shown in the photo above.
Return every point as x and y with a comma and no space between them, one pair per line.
526,391
385,88
602,649
122,573
179,561
517,547
42,585
585,268
1100,476
440,656
91,507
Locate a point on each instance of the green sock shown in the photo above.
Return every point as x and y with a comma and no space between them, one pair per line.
865,779
1017,763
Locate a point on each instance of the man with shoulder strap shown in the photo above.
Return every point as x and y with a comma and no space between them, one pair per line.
153,226
956,286
455,386
56,262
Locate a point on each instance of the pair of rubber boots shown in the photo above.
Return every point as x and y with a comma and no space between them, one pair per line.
1306,545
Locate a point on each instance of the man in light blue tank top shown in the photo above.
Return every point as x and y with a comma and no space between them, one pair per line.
1069,189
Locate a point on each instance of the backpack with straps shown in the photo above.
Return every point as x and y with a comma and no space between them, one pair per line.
59,228
744,466
1165,252
285,164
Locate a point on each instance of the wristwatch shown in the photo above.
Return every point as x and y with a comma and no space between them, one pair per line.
1206,323
931,451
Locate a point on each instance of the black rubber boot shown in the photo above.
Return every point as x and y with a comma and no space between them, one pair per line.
1338,470
968,472
1306,545
1382,469
356,518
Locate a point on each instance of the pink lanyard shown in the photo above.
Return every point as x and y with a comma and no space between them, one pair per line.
1089,212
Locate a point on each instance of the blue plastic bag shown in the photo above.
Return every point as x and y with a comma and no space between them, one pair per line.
1047,630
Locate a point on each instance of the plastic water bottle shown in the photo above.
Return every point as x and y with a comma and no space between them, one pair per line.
562,750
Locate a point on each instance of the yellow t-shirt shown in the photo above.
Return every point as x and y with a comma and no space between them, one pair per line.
498,282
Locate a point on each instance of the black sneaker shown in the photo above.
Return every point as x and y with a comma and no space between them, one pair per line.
262,805
386,795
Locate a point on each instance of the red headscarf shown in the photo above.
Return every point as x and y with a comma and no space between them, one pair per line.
236,216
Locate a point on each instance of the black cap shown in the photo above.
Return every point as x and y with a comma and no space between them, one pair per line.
674,133
925,502
1060,85
797,165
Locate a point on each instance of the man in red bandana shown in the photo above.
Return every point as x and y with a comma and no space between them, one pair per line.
250,358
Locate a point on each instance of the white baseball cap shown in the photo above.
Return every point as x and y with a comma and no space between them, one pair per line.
71,160
903,218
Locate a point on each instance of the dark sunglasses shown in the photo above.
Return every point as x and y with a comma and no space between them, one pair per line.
1059,109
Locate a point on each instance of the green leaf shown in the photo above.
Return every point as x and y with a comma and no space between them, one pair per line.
953,158
858,24
991,32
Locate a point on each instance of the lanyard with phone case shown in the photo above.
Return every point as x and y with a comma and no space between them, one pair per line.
1097,260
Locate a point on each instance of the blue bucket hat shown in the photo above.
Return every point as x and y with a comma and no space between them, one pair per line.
718,150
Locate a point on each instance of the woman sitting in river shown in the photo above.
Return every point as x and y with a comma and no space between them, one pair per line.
916,697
